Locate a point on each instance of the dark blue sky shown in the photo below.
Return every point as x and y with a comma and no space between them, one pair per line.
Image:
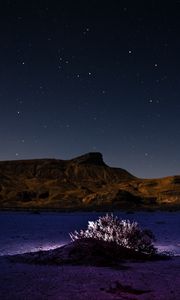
81,76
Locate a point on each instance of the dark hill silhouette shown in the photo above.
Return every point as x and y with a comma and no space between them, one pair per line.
82,183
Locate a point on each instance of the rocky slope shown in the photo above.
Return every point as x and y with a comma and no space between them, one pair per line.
83,183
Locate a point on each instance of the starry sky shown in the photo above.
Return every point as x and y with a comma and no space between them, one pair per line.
83,76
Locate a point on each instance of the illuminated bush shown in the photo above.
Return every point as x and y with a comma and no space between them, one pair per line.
122,232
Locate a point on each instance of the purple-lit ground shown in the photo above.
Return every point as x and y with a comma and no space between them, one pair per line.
24,232
159,281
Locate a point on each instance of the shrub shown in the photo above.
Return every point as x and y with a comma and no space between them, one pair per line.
122,232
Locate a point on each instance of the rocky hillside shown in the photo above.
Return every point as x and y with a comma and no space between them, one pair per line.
82,183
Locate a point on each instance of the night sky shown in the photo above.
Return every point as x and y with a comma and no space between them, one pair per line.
83,76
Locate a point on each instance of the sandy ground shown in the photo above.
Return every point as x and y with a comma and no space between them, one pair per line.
150,280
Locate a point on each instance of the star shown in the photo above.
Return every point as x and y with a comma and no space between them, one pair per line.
86,30
45,126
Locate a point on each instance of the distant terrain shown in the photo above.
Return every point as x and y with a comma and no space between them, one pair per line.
82,183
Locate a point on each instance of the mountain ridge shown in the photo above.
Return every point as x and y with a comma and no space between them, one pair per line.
85,182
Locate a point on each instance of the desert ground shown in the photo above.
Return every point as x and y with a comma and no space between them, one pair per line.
135,280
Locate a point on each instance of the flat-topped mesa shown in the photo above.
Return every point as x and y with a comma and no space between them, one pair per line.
85,182
91,158
89,167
